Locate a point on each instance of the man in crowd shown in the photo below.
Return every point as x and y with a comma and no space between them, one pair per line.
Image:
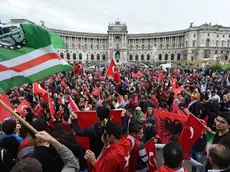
115,154
219,158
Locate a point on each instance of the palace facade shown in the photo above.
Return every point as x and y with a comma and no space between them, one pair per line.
194,43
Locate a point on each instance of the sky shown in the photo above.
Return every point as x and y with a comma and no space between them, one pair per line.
141,16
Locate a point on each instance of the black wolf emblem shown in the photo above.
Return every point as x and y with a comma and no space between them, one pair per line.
12,37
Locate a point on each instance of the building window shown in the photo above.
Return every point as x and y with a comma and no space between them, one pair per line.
148,57
103,57
97,40
194,35
74,56
178,56
103,46
149,47
136,57
98,56
85,39
222,44
91,46
192,51
172,57
175,44
79,46
160,57
216,52
222,51
68,56
142,57
167,46
208,34
137,47
91,40
97,46
217,36
143,47
148,40
80,56
194,43
207,42
131,57
166,57
227,52
137,41
143,41
228,44
62,55
72,45
217,43
92,56
223,36
131,47
161,46
226,58
66,44
85,47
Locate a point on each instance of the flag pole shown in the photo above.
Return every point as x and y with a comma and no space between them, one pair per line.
18,117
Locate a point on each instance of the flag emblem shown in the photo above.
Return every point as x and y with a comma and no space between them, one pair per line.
12,37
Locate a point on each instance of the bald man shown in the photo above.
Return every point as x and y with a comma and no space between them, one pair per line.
219,158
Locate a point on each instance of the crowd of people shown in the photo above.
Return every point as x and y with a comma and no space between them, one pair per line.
113,146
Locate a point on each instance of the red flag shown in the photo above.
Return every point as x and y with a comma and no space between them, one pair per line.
169,124
134,76
51,105
63,84
37,89
3,112
79,68
113,72
114,158
72,104
177,91
151,151
191,133
140,74
39,110
88,118
21,108
74,66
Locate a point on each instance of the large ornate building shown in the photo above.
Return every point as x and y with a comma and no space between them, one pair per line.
195,43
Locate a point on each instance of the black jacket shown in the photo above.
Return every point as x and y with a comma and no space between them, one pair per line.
94,133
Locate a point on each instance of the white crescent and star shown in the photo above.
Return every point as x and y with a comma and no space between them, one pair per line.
114,69
23,107
150,155
192,132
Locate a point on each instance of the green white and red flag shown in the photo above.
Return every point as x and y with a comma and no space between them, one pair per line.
27,54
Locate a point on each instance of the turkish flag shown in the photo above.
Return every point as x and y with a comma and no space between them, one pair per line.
151,152
191,133
88,118
72,104
37,89
113,72
169,124
177,91
74,66
114,157
21,108
3,112
51,105
134,75
79,68
63,84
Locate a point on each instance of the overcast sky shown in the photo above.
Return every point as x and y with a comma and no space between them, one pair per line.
140,15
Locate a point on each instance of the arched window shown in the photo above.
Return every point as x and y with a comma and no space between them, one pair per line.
68,56
194,43
92,57
131,57
172,57
222,44
207,42
103,57
98,56
226,58
136,57
166,57
74,56
80,56
160,57
148,57
62,55
178,56
142,56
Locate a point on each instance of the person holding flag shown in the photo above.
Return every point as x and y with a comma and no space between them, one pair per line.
115,154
